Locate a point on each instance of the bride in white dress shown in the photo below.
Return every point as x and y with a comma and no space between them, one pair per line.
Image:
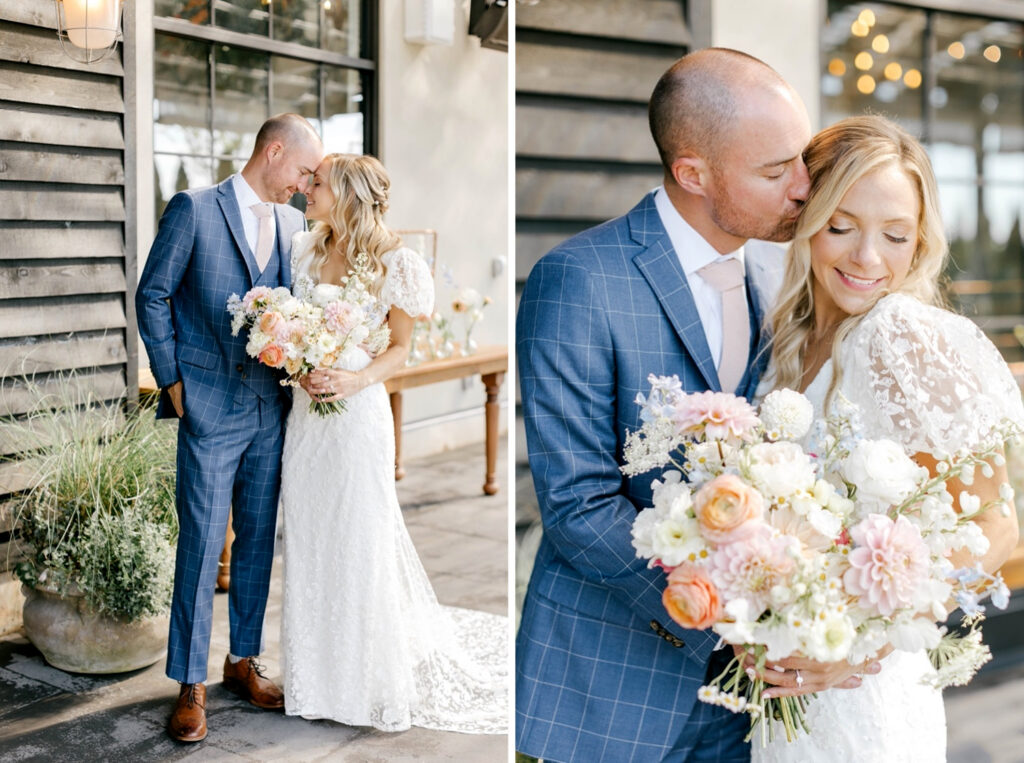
364,641
858,315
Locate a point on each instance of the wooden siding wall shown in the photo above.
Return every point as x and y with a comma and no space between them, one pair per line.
64,295
584,72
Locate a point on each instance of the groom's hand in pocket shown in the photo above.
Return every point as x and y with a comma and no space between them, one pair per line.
176,393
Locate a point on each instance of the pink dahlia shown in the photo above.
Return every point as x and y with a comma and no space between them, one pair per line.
750,568
888,563
720,415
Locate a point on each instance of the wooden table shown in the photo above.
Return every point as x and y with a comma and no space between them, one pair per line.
490,363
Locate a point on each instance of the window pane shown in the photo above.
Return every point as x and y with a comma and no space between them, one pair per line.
176,173
240,99
181,92
297,21
871,58
249,16
343,111
296,86
343,24
978,145
195,11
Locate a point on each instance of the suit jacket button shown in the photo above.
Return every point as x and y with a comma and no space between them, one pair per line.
239,368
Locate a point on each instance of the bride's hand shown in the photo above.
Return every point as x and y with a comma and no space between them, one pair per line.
328,385
800,675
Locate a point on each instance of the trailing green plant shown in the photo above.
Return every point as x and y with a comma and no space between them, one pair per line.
98,515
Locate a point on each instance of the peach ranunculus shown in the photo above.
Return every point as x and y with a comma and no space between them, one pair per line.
271,322
272,355
691,599
727,509
293,365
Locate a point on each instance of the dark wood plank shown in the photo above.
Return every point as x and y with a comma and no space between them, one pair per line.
530,247
15,476
580,194
17,398
46,280
39,317
30,201
25,358
40,47
20,435
37,124
85,166
23,84
593,73
58,240
646,20
611,133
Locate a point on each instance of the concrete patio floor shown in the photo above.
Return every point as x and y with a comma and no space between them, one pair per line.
461,535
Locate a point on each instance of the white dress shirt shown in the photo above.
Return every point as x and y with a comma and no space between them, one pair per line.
694,253
246,198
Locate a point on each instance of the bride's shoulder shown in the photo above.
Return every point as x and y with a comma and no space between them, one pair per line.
403,255
301,240
902,316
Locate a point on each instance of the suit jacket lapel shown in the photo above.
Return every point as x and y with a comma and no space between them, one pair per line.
660,266
229,206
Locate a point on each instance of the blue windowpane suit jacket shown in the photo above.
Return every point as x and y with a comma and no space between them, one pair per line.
600,675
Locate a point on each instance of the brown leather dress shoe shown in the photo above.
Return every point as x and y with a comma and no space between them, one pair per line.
188,721
245,678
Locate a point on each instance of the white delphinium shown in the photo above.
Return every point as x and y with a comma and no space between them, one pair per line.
786,415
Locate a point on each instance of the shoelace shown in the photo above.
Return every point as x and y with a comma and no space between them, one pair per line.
255,667
192,701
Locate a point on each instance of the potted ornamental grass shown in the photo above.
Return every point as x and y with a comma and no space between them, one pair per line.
96,528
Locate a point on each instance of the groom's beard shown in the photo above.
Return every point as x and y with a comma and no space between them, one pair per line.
737,221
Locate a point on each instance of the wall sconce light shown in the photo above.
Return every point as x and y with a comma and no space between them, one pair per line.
93,27
430,22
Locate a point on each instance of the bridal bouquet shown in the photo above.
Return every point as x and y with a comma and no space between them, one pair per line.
829,553
318,326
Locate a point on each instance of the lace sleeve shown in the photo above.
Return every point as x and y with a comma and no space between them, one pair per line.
301,254
408,284
927,378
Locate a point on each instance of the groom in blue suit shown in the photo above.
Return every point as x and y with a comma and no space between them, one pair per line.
601,673
211,243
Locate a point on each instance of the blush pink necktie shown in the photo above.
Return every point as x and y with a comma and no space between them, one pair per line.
265,236
726,276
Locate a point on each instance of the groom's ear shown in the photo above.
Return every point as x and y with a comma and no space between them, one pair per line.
691,173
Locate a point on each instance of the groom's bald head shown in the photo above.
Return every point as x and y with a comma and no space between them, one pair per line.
695,105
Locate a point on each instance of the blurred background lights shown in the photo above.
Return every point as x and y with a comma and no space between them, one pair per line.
912,79
866,84
880,44
893,71
863,61
956,50
836,67
859,29
867,17
993,53
938,97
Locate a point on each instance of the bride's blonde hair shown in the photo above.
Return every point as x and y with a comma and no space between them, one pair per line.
836,159
355,224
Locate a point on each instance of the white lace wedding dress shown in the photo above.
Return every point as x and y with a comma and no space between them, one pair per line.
931,381
364,641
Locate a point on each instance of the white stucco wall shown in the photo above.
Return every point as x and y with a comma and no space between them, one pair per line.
444,139
782,33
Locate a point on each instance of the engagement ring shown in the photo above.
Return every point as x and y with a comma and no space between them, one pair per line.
799,679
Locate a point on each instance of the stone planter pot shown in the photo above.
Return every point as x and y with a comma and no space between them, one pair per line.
73,637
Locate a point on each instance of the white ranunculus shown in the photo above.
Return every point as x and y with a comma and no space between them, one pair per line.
883,473
643,532
912,634
779,469
786,415
671,495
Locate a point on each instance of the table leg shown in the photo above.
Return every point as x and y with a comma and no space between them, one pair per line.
492,383
396,414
